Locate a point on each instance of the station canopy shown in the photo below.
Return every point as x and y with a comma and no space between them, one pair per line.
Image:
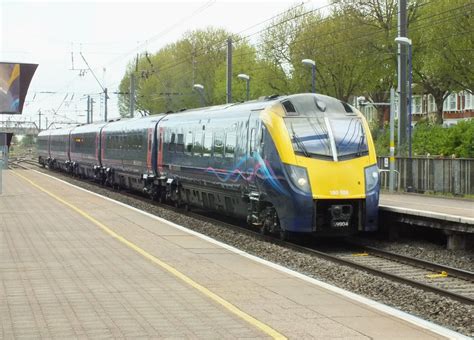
15,79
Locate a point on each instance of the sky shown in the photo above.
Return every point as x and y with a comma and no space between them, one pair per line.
108,34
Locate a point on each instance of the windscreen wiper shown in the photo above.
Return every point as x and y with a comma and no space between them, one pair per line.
299,142
359,147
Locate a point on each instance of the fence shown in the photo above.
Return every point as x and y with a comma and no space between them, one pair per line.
437,175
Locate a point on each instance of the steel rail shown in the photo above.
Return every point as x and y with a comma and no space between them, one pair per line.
454,272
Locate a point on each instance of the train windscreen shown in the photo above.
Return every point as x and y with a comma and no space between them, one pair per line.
325,137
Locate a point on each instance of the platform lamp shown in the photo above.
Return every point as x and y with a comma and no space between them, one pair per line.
247,80
200,89
312,63
407,42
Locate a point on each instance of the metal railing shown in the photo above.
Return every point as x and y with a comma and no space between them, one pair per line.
453,176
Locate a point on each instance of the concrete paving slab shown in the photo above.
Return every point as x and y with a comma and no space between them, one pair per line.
66,275
459,210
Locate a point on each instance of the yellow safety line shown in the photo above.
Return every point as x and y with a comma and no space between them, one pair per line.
216,298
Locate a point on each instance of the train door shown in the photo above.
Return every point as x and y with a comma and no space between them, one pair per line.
68,146
149,144
253,148
49,145
159,149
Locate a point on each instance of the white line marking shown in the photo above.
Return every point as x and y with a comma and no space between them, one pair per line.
442,216
361,299
384,199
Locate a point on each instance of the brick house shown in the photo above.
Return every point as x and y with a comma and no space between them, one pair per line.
456,106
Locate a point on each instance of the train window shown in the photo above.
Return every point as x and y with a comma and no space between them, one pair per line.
253,147
197,150
138,141
180,143
172,144
230,143
219,144
189,142
207,146
121,142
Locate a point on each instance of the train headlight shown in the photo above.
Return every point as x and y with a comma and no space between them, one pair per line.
371,177
298,177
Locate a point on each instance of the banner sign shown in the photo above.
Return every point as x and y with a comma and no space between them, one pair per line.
15,79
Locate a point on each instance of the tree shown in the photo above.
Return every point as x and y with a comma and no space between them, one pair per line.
27,141
377,32
164,81
340,60
443,41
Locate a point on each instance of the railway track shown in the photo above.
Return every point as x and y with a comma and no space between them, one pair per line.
431,277
447,281
16,162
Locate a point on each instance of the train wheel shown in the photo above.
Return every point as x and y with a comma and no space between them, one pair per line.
284,235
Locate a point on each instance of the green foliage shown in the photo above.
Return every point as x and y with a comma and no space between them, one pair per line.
28,140
429,139
442,49
460,139
352,44
432,139
381,139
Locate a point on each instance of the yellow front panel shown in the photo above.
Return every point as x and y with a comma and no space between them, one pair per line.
343,179
335,180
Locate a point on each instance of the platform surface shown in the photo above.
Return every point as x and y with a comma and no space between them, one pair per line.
456,210
64,275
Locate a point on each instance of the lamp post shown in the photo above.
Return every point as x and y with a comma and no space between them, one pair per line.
200,89
247,80
362,102
312,63
407,42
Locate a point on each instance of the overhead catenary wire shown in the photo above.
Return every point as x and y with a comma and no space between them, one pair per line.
187,58
197,11
414,27
223,43
236,56
379,31
238,39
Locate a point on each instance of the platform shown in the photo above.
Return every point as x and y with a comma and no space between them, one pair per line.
455,217
76,264
449,209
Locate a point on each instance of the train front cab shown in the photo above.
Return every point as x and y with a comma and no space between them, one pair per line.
328,166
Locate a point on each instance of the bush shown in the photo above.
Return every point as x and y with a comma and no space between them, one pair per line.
429,138
460,139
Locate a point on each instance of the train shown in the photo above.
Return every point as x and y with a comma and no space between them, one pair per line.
301,164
